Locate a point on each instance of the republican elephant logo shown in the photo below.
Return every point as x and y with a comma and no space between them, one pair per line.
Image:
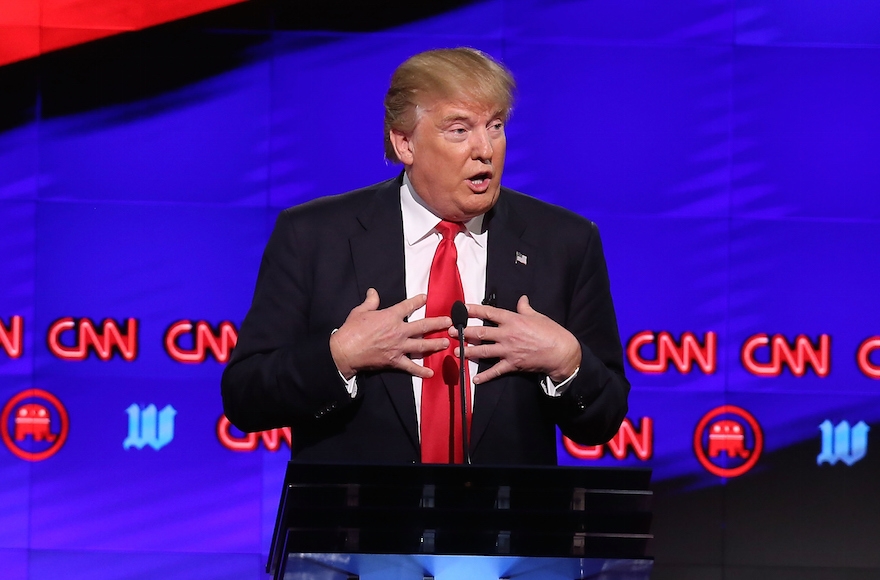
33,419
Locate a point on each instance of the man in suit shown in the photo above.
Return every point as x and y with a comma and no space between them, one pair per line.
341,342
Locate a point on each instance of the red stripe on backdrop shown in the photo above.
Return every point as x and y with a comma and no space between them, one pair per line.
29,28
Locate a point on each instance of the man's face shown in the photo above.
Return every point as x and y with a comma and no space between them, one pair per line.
454,157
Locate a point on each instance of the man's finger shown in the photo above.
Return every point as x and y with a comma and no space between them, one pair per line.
406,307
453,334
523,306
412,368
493,372
486,312
476,334
427,325
371,302
425,346
481,351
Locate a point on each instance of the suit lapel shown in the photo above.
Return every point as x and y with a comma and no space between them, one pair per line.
508,276
377,253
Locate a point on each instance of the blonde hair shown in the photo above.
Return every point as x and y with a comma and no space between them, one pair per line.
464,74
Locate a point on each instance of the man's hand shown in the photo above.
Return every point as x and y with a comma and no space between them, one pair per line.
525,340
373,339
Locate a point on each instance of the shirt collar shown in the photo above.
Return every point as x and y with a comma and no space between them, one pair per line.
419,220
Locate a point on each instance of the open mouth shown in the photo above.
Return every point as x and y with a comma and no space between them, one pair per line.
480,178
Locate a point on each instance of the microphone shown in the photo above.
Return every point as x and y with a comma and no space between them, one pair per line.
459,314
459,321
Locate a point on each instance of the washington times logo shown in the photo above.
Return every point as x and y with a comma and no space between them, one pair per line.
148,426
842,442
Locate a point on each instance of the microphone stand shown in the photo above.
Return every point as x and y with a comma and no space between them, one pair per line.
459,319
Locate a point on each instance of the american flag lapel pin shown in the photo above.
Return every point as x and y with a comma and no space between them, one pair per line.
522,258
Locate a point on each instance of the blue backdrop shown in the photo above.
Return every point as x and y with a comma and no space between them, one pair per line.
728,150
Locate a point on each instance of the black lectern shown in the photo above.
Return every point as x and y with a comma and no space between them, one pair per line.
343,522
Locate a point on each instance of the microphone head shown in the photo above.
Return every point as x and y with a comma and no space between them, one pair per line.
459,314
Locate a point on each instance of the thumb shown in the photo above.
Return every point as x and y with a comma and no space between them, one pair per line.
371,302
523,306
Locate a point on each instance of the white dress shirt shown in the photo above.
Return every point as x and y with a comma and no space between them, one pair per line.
420,241
420,244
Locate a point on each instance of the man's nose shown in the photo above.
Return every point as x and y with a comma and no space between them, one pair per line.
481,145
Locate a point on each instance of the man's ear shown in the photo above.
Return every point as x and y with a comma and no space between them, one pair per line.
403,146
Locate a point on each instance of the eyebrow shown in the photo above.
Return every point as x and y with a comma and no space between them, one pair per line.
460,117
453,118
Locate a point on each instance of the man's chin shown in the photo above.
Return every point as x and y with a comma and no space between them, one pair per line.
480,203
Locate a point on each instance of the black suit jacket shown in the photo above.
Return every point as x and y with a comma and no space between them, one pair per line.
318,264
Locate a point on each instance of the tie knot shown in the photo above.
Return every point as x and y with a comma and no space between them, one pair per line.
448,229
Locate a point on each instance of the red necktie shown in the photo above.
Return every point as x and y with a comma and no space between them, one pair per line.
441,395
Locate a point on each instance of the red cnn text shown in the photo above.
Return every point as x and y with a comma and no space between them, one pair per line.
204,340
640,441
10,337
249,441
863,357
84,335
683,354
797,357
